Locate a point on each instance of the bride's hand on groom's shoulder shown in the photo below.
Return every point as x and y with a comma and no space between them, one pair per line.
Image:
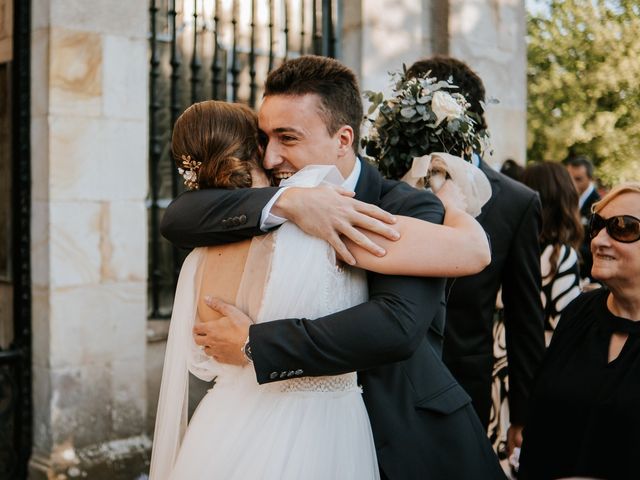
331,213
224,338
451,196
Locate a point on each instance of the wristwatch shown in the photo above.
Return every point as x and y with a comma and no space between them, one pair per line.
246,350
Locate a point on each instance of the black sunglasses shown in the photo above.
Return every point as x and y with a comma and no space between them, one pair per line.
623,228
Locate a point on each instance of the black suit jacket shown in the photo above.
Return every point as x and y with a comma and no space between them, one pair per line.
512,220
586,260
421,419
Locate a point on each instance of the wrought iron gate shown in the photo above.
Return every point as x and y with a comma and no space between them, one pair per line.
15,266
215,49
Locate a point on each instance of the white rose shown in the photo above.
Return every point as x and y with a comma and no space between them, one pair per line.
445,107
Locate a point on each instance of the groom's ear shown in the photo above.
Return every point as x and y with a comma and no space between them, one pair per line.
344,136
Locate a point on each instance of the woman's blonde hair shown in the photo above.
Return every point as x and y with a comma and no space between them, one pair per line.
630,187
223,137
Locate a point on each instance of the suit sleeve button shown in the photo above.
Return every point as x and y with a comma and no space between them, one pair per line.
298,372
273,375
242,219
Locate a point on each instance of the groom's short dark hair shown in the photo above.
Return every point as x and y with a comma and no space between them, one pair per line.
333,82
468,81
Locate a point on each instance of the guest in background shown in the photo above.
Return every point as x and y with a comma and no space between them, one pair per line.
511,218
581,170
584,418
560,238
512,169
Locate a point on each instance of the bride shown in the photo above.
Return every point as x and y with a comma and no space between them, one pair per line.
301,427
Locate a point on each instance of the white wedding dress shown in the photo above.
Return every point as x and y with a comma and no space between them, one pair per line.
298,428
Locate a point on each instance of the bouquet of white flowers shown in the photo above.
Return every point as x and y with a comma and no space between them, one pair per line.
422,116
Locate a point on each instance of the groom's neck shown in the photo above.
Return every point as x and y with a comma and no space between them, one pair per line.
346,163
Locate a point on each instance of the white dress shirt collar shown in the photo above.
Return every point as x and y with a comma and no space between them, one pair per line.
585,194
352,180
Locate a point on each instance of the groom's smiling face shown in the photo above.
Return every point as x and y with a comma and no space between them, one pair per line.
296,135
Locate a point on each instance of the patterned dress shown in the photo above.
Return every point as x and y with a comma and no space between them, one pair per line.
558,290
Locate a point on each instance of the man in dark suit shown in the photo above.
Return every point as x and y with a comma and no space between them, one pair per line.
512,219
581,170
422,421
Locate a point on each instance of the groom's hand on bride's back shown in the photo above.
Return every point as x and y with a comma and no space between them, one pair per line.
331,213
224,337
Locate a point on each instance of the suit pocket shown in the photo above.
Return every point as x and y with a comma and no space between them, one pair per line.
446,401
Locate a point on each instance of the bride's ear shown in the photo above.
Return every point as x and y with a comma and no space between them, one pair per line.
344,136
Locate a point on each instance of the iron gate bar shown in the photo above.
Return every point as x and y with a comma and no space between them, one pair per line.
174,108
154,159
302,10
234,54
196,64
316,37
271,39
252,58
327,29
21,219
10,356
286,31
215,64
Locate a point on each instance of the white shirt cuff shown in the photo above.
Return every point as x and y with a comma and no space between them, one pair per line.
269,221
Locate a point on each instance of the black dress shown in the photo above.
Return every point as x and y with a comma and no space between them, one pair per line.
585,412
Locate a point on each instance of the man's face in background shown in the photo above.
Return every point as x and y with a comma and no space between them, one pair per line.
580,177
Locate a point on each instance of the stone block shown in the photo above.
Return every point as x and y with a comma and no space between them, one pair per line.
392,34
75,232
489,37
41,395
97,159
40,14
97,324
75,74
6,311
40,243
124,248
128,393
80,406
40,159
508,139
125,173
119,17
6,31
126,76
39,72
40,342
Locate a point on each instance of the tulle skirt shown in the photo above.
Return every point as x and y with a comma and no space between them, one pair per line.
242,430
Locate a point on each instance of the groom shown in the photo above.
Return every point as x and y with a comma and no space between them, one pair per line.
422,420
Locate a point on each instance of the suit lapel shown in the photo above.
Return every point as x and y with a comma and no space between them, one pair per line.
493,177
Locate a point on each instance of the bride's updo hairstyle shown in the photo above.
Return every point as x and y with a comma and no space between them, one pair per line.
222,138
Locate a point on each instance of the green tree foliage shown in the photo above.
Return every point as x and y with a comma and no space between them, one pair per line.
584,84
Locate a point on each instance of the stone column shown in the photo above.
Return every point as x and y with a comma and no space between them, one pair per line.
380,35
490,36
89,234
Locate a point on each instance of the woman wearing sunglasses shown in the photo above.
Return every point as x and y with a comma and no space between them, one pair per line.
585,418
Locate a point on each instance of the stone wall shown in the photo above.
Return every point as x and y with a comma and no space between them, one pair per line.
490,36
89,235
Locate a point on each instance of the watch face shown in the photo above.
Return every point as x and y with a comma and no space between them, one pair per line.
247,351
